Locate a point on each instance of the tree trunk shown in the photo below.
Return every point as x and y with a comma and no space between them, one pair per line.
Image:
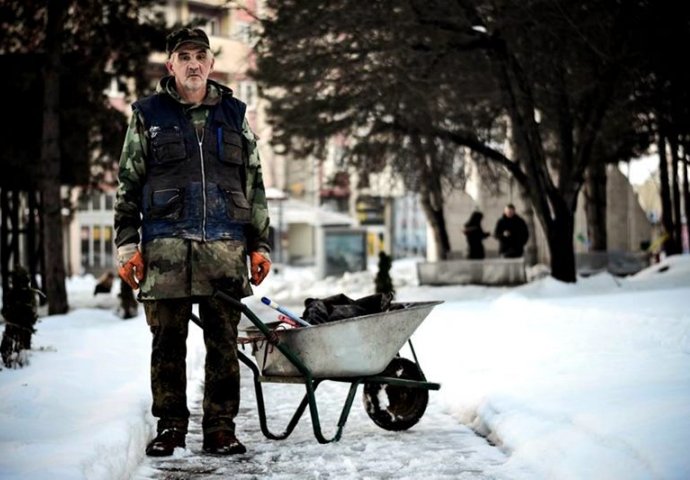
675,197
4,242
50,160
32,241
431,195
686,190
9,232
595,206
560,240
666,212
432,204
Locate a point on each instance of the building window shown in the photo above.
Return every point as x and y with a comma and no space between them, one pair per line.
83,202
96,234
96,200
85,246
247,93
242,32
97,243
210,25
107,245
209,19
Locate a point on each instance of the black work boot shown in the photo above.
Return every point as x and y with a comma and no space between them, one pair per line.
165,443
222,442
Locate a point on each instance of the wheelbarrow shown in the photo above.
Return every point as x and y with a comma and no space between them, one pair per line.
362,350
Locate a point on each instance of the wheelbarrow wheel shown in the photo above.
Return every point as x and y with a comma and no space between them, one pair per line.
393,407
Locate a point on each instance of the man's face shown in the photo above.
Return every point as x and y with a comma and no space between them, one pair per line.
509,212
190,65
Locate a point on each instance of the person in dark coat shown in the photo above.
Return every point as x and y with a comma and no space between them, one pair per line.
104,283
511,232
475,235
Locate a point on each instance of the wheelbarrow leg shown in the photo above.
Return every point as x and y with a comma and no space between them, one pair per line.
313,410
258,389
309,399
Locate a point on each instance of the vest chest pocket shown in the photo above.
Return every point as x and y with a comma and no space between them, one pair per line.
168,146
230,147
166,204
239,208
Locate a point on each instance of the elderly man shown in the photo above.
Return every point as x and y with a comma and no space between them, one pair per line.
190,179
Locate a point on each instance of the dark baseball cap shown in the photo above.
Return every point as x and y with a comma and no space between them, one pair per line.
186,35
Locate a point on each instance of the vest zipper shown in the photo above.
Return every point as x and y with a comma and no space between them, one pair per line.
203,183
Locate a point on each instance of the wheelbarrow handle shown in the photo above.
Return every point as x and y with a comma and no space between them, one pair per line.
267,332
263,328
231,300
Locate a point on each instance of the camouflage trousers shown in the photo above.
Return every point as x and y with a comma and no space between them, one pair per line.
169,321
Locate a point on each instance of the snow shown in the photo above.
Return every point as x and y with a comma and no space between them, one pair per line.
560,381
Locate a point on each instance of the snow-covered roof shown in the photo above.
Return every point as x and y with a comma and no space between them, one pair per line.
298,211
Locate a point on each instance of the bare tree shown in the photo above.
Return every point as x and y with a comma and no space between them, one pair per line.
50,161
69,52
446,70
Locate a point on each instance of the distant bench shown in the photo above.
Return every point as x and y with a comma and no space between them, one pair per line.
615,262
489,271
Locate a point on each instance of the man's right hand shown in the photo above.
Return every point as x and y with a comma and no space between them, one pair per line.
131,262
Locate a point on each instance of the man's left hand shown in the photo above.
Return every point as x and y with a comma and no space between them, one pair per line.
260,266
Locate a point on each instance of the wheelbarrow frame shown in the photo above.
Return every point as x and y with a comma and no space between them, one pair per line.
310,382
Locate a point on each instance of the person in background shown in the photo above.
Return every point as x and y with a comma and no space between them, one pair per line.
190,178
475,235
511,233
104,283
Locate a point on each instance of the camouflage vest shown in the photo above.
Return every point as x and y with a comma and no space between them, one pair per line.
195,184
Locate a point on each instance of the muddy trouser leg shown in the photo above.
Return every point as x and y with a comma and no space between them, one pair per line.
169,321
222,385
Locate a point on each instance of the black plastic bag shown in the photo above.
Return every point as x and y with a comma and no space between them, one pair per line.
338,307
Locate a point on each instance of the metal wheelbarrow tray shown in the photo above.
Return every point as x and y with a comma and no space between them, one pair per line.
360,350
351,347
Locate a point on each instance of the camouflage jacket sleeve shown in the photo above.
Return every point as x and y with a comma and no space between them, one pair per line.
257,230
131,177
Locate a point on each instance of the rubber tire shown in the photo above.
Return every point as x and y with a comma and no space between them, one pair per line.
405,405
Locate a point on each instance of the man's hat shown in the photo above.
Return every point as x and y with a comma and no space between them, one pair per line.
186,35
